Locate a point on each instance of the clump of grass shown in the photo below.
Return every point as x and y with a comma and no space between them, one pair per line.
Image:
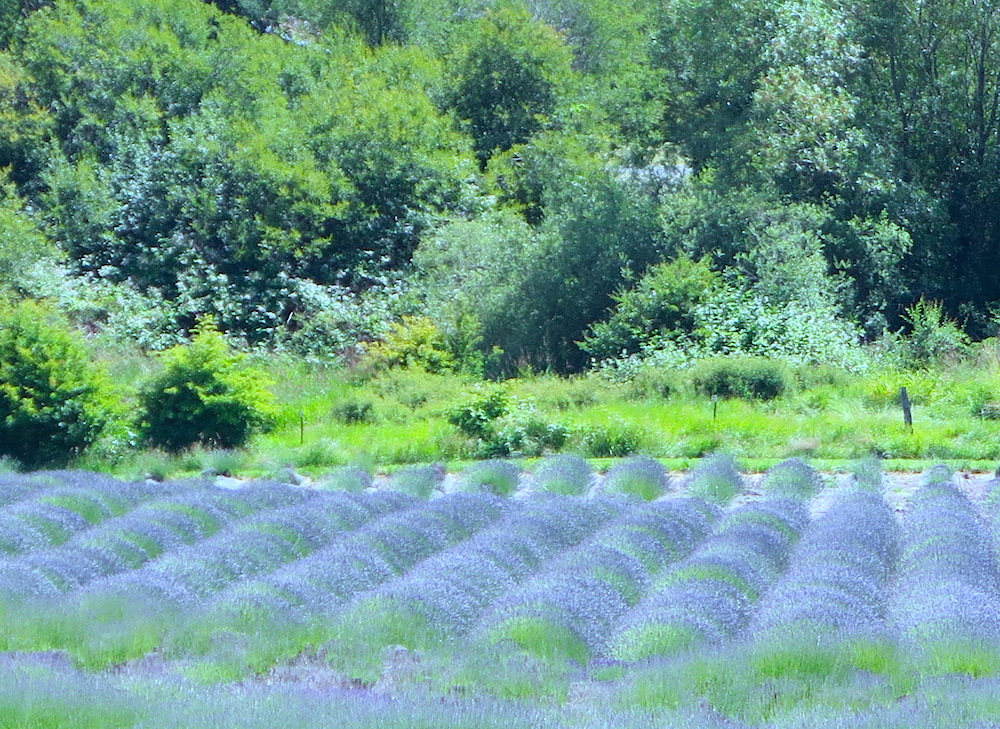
493,476
419,481
938,475
354,410
348,478
546,639
612,439
749,378
320,453
564,474
153,465
505,671
716,479
868,475
639,476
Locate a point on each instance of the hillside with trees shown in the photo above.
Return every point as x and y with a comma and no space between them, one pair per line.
501,187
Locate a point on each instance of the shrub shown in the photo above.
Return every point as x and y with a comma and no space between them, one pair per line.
494,476
419,481
564,474
524,434
659,307
204,394
933,337
505,428
791,479
476,417
355,410
716,479
652,382
53,401
750,378
416,341
639,476
613,439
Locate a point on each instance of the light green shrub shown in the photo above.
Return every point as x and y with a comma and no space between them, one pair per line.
54,402
206,395
750,378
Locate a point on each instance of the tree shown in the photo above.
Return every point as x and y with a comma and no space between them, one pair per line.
713,54
536,291
509,79
931,97
22,247
660,306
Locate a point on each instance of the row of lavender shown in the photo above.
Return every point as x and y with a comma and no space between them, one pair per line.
191,554
288,569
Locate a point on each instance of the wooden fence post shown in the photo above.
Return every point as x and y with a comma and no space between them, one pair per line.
904,398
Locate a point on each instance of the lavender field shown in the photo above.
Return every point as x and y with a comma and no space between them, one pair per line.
549,597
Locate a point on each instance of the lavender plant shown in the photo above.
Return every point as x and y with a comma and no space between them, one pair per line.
947,599
125,588
564,474
348,478
838,579
792,479
708,596
716,479
294,605
868,475
419,481
37,524
550,615
494,476
442,597
638,476
15,487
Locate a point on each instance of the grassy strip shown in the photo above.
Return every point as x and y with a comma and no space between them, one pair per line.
334,417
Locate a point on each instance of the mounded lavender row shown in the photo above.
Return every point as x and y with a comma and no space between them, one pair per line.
709,596
52,515
570,608
716,478
949,583
14,487
637,476
791,479
839,575
271,538
310,590
448,592
196,512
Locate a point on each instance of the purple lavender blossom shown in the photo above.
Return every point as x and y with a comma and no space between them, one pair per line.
837,580
493,476
564,474
948,586
638,476
716,479
707,597
792,479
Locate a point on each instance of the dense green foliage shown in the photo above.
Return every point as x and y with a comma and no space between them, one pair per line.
501,187
204,394
753,378
53,401
309,172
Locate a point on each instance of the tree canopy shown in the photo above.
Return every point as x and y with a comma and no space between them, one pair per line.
309,171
